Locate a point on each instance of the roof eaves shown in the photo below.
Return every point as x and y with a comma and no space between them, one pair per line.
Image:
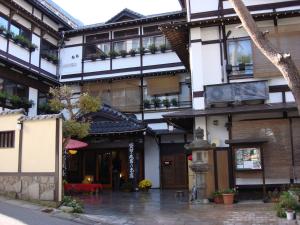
12,112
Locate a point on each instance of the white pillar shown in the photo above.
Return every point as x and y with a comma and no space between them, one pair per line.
152,161
33,96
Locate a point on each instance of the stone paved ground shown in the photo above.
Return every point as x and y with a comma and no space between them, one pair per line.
163,208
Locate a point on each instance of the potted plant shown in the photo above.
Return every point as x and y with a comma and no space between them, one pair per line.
166,103
152,48
228,196
113,54
145,185
156,102
123,53
147,104
32,47
103,55
142,50
218,198
2,29
127,186
163,48
132,52
174,102
9,34
3,97
286,205
242,67
15,101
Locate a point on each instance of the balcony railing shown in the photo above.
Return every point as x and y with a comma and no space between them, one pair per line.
236,93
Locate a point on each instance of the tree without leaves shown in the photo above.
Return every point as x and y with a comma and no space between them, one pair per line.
62,99
283,61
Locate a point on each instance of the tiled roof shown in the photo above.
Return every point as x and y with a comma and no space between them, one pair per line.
41,117
11,112
154,17
56,11
125,12
111,121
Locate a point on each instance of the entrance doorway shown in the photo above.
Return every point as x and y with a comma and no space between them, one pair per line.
174,170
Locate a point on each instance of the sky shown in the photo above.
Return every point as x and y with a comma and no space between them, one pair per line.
97,11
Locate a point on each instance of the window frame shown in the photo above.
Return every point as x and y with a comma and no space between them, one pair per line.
238,73
7,139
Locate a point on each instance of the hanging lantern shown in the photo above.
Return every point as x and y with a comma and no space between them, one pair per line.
72,152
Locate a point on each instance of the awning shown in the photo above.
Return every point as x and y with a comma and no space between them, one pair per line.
74,144
272,107
247,141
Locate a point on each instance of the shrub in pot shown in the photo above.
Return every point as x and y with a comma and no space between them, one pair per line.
142,51
145,185
287,205
127,186
228,196
113,54
3,97
218,198
156,102
103,56
163,48
15,101
166,103
174,102
123,53
147,104
132,52
152,48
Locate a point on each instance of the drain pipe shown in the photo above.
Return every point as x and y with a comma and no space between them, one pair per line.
60,44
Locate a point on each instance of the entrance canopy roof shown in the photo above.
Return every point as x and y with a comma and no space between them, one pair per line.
273,107
109,121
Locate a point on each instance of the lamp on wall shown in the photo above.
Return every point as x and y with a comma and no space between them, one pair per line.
19,126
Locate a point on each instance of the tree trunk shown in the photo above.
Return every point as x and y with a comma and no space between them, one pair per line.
283,61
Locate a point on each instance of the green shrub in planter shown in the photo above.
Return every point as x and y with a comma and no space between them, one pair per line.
174,102
163,48
127,187
152,48
123,53
156,102
103,55
132,52
287,201
15,101
147,104
113,54
3,96
166,103
142,51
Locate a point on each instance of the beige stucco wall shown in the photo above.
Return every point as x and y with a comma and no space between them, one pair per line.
9,156
39,142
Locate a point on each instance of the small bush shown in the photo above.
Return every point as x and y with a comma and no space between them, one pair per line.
287,201
74,203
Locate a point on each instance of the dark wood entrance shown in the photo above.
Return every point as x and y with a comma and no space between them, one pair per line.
174,170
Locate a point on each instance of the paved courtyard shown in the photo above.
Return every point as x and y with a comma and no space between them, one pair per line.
163,208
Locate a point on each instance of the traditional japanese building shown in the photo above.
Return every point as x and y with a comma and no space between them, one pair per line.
159,78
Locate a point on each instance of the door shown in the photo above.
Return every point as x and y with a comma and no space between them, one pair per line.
104,169
174,171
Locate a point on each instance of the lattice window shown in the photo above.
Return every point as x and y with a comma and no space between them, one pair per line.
7,139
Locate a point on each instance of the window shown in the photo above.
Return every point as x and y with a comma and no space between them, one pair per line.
96,50
18,30
240,57
248,159
157,41
126,33
13,88
127,45
97,38
150,30
3,22
7,139
48,49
